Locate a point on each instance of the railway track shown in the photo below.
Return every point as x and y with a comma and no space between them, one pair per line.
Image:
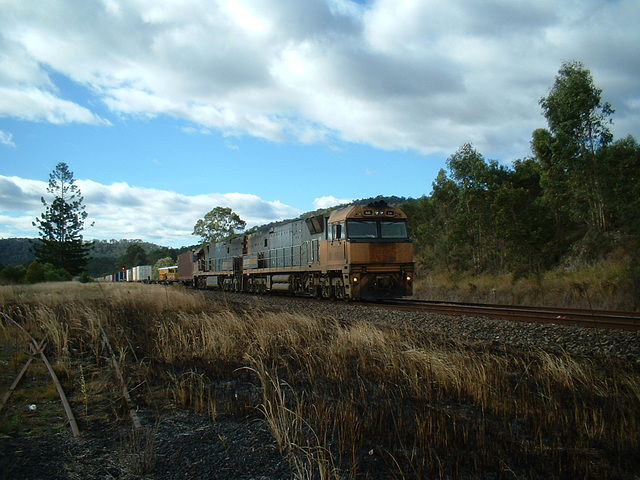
565,316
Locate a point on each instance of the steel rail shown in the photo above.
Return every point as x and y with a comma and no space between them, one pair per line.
565,316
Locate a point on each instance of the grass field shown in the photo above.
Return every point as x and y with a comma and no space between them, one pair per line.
342,400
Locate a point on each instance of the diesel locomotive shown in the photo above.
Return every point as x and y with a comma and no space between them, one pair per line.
360,252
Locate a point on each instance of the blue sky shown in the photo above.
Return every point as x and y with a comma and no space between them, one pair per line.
164,110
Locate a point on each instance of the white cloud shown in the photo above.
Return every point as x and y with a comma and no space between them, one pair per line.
6,139
121,211
329,201
394,74
37,105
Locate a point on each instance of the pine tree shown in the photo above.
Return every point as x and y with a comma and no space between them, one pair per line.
61,243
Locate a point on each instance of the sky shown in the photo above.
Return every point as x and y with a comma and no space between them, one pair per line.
164,110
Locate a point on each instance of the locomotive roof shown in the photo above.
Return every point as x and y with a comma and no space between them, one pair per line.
357,212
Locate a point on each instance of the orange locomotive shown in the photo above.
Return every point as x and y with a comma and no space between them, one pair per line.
357,252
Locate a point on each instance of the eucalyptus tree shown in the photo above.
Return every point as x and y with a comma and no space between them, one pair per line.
60,226
478,182
578,121
218,224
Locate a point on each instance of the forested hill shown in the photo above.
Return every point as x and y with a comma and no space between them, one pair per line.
105,254
17,251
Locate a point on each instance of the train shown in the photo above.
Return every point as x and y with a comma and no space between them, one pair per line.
358,252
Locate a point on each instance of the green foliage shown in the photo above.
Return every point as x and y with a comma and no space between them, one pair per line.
573,175
134,256
13,274
61,223
85,277
53,274
37,272
162,252
219,223
572,203
622,184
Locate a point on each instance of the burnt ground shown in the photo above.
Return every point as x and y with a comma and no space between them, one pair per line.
176,444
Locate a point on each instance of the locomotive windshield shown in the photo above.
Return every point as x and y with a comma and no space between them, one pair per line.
362,229
376,229
393,229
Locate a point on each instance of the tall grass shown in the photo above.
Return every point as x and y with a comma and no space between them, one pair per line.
356,399
607,286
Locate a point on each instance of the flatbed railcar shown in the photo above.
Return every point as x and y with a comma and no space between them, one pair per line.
354,253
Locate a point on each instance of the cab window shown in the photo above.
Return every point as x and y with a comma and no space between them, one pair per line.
362,229
336,231
393,229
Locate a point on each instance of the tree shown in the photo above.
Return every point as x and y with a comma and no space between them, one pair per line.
475,230
135,256
35,273
219,223
578,128
60,225
622,190
522,223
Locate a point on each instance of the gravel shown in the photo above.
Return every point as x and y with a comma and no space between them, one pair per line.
574,340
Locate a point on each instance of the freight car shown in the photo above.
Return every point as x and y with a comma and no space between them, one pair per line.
357,252
141,273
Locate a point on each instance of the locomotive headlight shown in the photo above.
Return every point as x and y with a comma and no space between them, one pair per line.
409,278
355,279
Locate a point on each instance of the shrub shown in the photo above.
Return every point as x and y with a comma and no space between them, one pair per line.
85,277
13,274
35,273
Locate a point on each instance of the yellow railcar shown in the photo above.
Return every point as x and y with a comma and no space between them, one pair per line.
168,274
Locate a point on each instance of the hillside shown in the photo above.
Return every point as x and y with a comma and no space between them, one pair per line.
16,251
105,253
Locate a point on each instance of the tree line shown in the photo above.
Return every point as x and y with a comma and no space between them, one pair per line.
578,193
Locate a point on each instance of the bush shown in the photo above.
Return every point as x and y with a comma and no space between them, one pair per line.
13,274
45,273
35,273
85,277
52,274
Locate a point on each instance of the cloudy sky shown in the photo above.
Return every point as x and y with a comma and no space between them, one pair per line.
166,109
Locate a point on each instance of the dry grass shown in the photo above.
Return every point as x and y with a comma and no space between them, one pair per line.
353,400
605,286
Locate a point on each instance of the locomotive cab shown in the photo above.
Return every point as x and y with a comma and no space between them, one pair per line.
372,246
